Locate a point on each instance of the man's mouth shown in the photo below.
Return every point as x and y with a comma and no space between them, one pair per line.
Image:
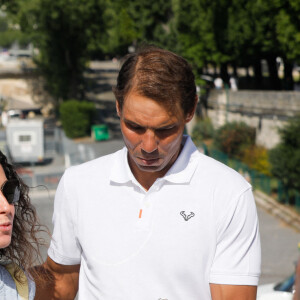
149,161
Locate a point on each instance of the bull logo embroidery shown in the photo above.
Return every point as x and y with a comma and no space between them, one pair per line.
187,217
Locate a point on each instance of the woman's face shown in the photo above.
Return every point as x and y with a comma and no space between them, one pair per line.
7,213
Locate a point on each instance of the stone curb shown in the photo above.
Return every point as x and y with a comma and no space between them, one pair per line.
277,209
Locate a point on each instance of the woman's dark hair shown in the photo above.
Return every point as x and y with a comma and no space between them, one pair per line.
159,75
24,249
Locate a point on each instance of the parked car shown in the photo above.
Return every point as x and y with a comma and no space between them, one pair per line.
277,291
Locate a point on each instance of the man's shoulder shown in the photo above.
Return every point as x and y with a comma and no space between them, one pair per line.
222,174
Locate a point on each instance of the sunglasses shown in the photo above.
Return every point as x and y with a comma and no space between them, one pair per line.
11,190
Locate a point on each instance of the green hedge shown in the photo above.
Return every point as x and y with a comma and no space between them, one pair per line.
76,117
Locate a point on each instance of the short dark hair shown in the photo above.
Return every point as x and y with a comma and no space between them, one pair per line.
159,75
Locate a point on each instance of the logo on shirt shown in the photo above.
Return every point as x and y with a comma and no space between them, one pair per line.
187,217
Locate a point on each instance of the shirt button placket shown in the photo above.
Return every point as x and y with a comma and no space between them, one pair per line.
145,213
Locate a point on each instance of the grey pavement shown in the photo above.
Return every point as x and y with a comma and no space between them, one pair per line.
279,247
284,213
280,235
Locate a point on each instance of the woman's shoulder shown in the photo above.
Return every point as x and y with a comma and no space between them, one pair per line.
8,289
5,277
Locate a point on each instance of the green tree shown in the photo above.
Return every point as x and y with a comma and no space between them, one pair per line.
202,32
132,22
264,16
65,32
285,157
235,32
121,29
288,28
10,33
149,17
288,33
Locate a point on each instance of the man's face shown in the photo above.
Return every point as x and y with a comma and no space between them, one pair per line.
152,134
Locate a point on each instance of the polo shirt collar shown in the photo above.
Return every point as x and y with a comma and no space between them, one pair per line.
185,165
121,172
181,171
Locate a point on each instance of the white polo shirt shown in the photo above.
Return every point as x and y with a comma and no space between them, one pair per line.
196,225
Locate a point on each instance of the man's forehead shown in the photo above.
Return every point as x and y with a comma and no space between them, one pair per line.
135,100
146,112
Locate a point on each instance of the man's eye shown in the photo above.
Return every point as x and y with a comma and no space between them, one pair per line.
134,127
165,129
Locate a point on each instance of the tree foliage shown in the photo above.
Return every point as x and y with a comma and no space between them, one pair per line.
288,28
64,31
202,31
11,33
240,33
218,33
133,22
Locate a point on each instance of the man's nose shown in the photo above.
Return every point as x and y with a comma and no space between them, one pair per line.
149,142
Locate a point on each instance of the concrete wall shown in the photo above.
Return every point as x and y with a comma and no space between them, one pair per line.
266,111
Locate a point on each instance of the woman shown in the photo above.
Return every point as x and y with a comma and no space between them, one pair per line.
19,244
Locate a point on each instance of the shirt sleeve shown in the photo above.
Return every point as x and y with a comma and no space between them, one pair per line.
64,247
238,253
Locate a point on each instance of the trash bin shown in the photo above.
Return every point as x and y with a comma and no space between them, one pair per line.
100,132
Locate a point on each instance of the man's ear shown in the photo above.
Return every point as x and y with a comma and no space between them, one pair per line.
190,115
118,108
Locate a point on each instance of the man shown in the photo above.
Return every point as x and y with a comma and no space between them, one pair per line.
157,219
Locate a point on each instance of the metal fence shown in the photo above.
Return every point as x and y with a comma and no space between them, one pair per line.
48,181
269,185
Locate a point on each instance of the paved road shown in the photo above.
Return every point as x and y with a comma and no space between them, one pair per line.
279,248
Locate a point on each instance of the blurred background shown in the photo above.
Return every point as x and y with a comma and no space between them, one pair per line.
59,60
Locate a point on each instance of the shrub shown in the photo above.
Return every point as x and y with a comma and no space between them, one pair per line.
203,130
285,157
232,138
257,158
76,117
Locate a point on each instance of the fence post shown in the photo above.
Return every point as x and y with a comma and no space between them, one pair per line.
286,195
279,191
